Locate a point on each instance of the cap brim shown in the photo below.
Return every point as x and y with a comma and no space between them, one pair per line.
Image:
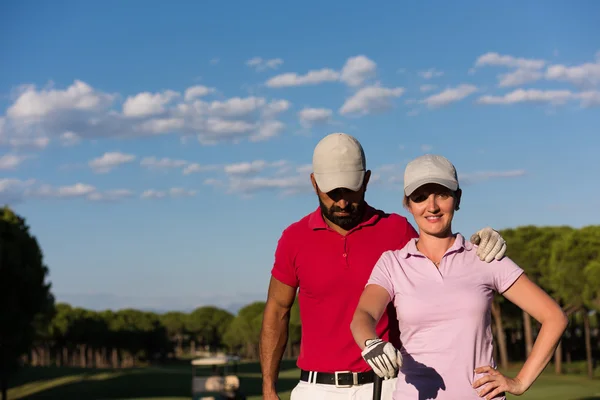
334,180
409,189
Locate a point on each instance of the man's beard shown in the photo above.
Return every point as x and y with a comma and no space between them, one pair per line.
345,222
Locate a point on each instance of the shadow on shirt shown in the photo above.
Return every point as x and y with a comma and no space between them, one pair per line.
426,380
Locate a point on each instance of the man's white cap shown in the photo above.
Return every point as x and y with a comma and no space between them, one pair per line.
339,162
429,168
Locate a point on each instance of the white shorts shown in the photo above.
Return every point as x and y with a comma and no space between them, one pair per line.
319,391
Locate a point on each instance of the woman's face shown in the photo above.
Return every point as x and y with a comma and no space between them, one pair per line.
432,207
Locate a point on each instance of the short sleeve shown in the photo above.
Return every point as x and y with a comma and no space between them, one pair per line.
284,269
504,272
381,273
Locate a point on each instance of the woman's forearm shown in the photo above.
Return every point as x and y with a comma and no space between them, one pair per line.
363,327
543,349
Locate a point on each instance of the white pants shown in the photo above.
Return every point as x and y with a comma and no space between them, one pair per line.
319,391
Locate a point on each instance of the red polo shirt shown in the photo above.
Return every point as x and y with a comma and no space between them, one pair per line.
331,271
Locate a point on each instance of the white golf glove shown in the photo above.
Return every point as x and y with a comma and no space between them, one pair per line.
491,244
383,357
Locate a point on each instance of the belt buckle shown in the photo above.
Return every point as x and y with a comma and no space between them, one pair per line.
354,379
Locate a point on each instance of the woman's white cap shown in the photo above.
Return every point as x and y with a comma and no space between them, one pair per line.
429,168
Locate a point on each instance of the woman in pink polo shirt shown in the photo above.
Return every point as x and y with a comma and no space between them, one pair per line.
442,293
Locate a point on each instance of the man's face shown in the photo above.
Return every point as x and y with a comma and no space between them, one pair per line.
343,207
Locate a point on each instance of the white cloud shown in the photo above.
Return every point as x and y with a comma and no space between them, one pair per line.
495,59
110,195
449,95
589,99
275,107
525,69
430,73
69,139
426,148
153,194
314,116
162,163
146,104
313,77
427,88
214,61
181,192
15,190
370,99
260,64
80,96
39,115
245,168
109,161
248,178
236,107
585,75
160,125
173,192
194,92
519,77
357,70
195,168
252,167
554,97
267,130
11,161
76,190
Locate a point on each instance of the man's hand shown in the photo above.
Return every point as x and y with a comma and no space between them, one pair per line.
497,383
383,357
491,244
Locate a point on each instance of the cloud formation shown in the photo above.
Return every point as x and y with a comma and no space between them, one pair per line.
314,116
260,64
553,97
81,112
109,161
370,99
356,71
450,95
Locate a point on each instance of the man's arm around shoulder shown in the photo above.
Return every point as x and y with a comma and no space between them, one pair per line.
274,333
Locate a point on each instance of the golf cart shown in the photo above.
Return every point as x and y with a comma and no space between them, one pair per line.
222,383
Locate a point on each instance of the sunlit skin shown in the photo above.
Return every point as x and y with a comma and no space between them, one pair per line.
433,207
342,208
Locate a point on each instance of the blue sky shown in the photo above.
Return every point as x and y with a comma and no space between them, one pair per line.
158,150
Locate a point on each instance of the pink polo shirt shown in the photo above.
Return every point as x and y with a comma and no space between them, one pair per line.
444,316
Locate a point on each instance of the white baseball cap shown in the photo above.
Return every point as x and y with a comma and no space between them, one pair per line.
339,162
429,168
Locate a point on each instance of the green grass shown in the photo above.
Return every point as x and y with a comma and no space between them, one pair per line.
173,382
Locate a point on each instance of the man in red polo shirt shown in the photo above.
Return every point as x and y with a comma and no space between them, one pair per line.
328,256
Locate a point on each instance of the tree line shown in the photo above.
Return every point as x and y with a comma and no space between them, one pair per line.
37,331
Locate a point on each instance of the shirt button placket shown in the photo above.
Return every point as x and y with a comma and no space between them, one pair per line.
345,251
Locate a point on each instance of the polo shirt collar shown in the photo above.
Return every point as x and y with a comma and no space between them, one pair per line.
410,249
316,220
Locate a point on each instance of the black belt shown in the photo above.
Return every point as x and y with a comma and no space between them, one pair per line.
339,378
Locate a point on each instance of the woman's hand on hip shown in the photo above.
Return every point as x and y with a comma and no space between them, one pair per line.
496,383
